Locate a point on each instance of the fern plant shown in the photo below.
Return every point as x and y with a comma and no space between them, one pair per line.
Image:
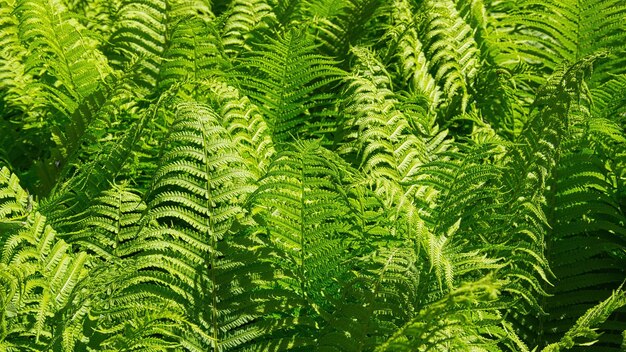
305,217
312,175
39,273
285,79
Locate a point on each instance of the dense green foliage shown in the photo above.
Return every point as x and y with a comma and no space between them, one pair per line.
312,175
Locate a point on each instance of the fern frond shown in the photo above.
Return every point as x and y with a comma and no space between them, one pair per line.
139,36
135,323
245,124
66,204
317,9
344,25
387,146
477,15
307,220
586,326
466,319
39,274
285,79
376,302
15,202
195,199
94,117
542,148
245,18
413,64
193,53
588,232
500,102
384,139
64,50
610,99
460,177
47,274
554,32
19,89
288,12
199,166
54,64
109,313
456,234
181,10
117,157
97,15
167,261
451,48
301,204
113,220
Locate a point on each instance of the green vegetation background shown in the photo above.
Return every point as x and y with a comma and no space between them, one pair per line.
312,175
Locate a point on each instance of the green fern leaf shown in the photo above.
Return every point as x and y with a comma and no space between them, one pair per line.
113,221
451,49
284,78
465,319
195,201
376,302
586,326
554,32
245,18
410,50
139,39
305,215
347,26
192,55
64,49
245,124
20,91
39,276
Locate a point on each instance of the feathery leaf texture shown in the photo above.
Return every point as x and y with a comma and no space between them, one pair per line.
285,79
315,175
39,273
